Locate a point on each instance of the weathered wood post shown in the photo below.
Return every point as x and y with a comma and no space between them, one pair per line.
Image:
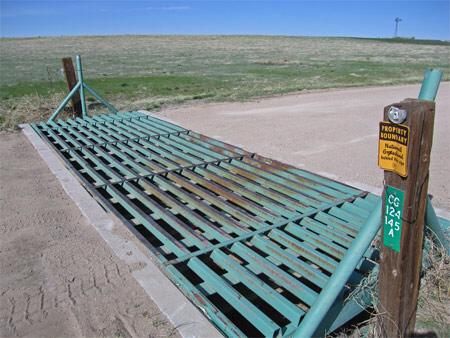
69,72
405,141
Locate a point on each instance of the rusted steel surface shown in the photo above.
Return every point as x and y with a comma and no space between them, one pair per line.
251,241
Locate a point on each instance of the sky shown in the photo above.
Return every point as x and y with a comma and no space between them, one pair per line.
364,18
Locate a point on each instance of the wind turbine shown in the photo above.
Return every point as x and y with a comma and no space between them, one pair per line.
397,20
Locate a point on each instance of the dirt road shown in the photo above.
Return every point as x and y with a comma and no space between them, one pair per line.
58,278
331,132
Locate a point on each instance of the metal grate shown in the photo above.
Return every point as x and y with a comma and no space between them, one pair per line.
249,240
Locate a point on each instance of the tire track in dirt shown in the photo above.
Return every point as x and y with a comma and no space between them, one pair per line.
58,277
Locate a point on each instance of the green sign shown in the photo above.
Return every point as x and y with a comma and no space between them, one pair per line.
392,229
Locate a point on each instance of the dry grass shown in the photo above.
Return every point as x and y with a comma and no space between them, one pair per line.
152,71
30,108
434,298
433,310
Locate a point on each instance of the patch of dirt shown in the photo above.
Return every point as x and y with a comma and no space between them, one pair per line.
58,277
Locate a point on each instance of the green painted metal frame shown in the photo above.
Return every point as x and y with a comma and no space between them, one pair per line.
80,87
249,240
261,247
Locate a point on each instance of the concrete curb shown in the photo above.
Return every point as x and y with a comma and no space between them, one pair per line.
183,315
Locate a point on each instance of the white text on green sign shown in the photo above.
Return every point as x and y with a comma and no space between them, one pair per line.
392,219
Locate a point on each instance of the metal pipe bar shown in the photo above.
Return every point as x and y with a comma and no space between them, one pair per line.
281,300
108,105
197,265
329,231
257,198
262,190
107,170
357,222
64,102
89,170
191,148
297,180
220,236
117,118
145,129
240,214
326,298
346,227
152,143
179,208
158,121
305,249
287,186
279,256
168,147
154,125
188,146
298,190
118,154
430,84
262,230
125,157
283,279
134,125
81,81
269,295
322,243
159,212
113,162
117,126
130,149
268,182
102,129
290,182
309,175
198,148
222,321
231,195
136,139
242,305
177,170
199,140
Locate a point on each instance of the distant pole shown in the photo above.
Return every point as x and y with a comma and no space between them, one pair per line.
397,20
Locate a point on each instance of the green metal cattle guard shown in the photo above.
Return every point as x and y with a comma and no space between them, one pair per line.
251,241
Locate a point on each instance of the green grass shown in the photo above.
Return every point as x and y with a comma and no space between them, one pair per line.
151,71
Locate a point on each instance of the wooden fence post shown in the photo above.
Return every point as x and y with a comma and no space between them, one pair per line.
404,153
71,79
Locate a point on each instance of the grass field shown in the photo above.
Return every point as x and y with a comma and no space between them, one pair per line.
150,71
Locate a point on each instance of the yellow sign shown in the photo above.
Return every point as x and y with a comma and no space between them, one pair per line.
393,148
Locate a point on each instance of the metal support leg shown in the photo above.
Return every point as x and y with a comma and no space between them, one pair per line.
81,81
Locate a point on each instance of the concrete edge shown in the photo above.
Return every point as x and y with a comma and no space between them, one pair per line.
182,314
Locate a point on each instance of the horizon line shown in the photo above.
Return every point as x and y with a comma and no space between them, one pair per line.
222,35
